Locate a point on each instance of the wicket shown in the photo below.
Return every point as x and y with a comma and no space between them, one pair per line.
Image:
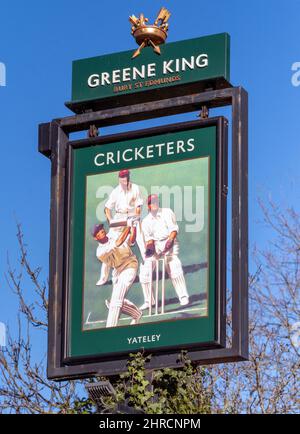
157,263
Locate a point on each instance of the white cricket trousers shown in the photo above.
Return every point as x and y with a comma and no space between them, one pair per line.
121,283
174,269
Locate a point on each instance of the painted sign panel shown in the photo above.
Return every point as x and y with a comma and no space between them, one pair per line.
143,250
182,62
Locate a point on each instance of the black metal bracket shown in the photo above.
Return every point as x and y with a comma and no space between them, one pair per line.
53,143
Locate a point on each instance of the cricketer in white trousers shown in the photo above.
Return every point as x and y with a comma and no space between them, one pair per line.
125,203
158,228
125,265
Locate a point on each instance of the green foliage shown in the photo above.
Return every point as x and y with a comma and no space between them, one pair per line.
164,391
82,406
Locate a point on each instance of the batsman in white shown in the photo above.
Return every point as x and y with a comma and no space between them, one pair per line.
126,201
160,230
116,253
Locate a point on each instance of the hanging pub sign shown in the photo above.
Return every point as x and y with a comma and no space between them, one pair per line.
145,217
138,219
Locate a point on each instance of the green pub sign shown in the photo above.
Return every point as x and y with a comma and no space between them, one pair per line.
150,293
138,219
191,61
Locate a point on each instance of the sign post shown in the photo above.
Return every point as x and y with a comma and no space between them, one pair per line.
138,219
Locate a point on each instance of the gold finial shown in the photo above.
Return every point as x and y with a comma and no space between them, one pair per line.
151,35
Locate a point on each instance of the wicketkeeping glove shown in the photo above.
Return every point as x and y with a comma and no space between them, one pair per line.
169,245
150,250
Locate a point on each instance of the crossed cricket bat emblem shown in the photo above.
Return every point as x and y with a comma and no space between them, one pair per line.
151,35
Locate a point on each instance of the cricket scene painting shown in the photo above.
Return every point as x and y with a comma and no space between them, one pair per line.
146,249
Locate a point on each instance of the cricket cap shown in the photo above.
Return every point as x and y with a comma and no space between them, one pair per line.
124,173
97,228
152,198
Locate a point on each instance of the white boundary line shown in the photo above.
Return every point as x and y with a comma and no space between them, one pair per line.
87,322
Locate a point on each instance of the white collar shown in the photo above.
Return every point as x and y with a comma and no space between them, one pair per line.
158,214
129,187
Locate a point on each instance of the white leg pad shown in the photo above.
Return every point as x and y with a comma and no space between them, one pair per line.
131,309
122,283
180,286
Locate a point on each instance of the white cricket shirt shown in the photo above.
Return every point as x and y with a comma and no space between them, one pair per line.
125,201
159,227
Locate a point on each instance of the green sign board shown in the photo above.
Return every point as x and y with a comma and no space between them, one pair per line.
180,63
143,242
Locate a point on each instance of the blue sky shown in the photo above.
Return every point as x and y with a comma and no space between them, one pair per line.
39,40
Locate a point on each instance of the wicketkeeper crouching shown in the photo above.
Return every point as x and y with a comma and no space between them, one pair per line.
160,231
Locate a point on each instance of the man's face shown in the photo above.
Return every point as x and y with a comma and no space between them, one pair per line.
101,235
124,181
153,207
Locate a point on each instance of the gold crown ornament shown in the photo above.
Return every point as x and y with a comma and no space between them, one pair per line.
150,35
